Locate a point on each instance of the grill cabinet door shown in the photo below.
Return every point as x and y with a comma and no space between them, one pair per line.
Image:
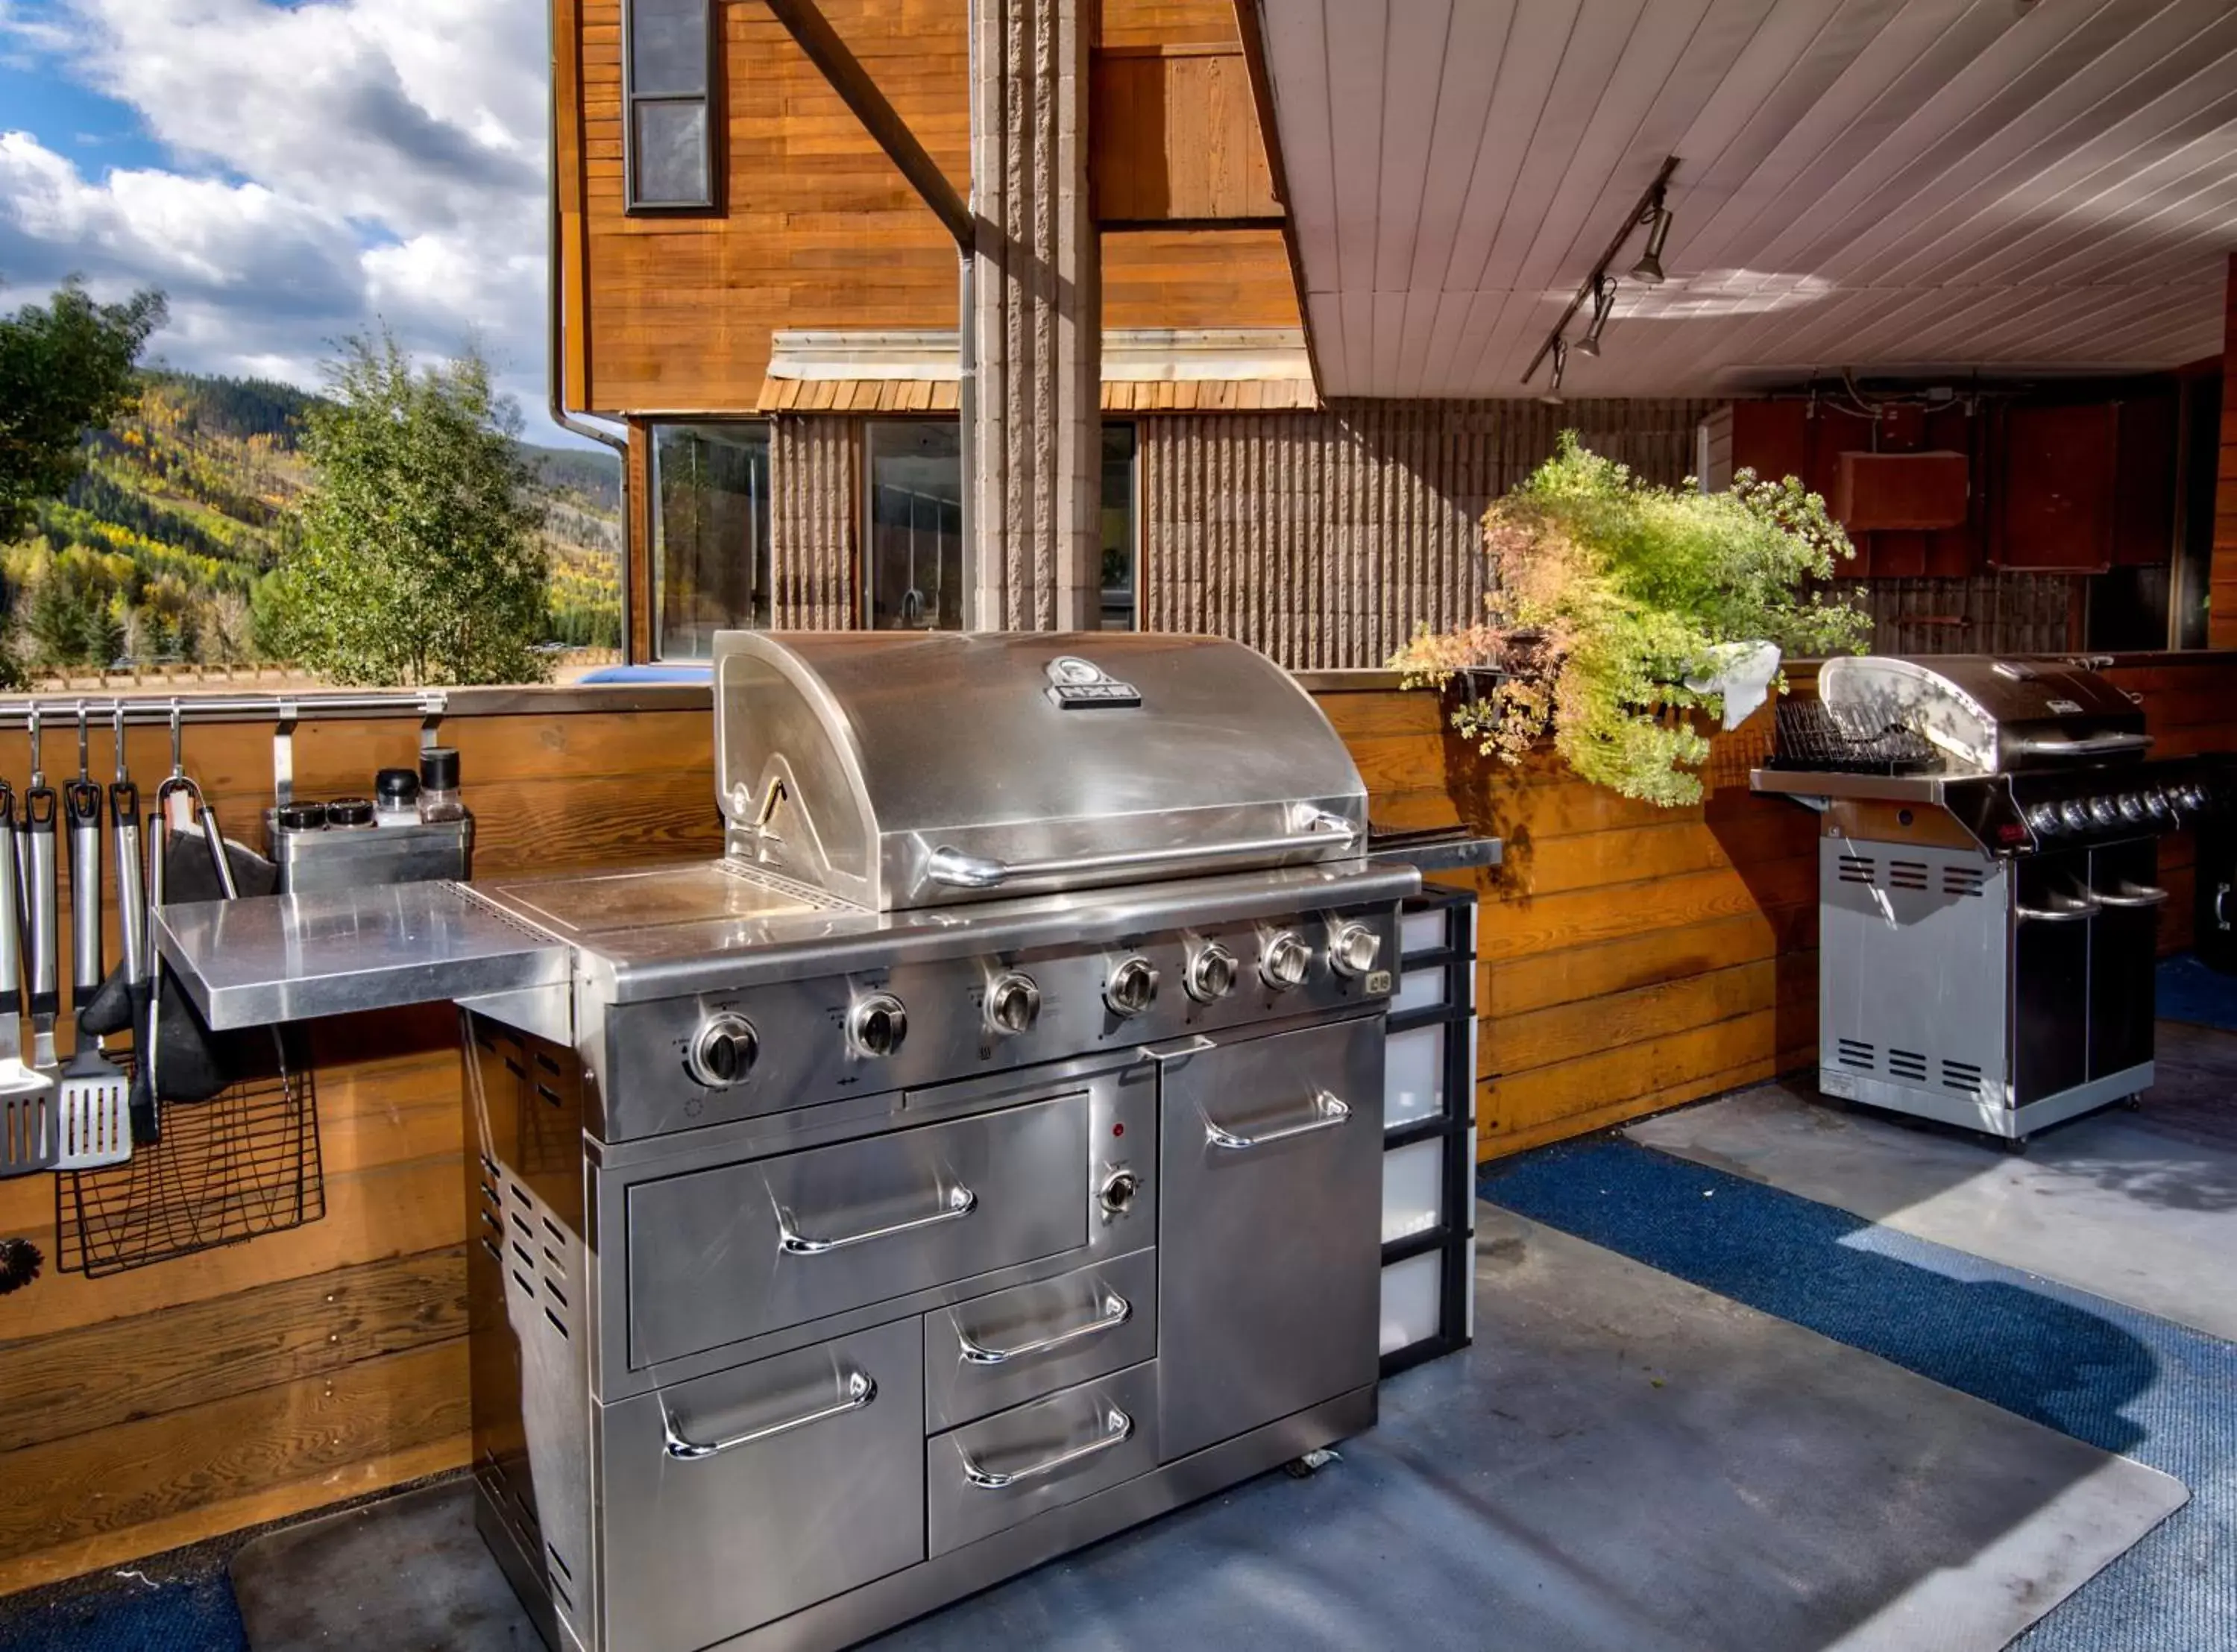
2123,950
1270,1252
2051,978
738,1498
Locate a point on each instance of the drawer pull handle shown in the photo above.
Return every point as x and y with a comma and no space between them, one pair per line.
1116,1311
958,1202
859,1390
1118,1429
1328,1112
2133,895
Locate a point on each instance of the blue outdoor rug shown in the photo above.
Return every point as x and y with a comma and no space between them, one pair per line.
2190,991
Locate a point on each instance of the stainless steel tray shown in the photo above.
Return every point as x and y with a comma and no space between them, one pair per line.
270,958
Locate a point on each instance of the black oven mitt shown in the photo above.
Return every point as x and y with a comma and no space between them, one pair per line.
194,1064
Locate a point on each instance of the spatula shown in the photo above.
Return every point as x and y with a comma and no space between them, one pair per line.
28,1138
90,1100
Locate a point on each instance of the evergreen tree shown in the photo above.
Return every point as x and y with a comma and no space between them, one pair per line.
419,561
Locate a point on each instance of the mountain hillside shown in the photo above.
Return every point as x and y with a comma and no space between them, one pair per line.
156,552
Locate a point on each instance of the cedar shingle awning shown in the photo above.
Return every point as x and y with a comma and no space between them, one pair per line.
1144,370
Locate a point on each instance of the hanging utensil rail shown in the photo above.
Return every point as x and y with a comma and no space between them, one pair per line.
236,708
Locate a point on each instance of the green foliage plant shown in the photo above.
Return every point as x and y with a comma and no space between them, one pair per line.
65,366
420,562
1610,593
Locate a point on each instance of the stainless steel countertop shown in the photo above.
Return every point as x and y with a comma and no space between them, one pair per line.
1829,783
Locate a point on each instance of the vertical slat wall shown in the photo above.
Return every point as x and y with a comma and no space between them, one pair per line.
1326,538
815,515
2221,621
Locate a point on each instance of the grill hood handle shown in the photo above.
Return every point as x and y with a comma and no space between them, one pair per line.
956,870
2095,746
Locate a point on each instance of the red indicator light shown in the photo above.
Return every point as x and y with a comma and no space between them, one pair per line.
1117,1129
2011,831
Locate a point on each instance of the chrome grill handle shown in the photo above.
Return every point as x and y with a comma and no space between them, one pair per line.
859,1390
1115,1311
954,869
956,1203
1118,1429
2066,912
1330,1111
2131,896
2094,746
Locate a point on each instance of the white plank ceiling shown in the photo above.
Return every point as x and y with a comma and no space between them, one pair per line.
1882,185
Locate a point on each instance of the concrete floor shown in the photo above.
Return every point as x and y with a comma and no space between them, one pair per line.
2140,1206
1623,1461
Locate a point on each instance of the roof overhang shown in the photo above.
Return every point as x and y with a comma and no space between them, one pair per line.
1877,185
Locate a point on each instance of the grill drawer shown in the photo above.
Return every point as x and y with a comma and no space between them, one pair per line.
823,1491
1054,1333
720,1256
993,1474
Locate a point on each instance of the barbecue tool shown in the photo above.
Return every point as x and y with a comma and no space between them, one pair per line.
134,929
90,1104
27,1125
41,898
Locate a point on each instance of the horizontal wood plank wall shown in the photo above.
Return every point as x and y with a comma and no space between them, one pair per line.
1326,538
1176,136
163,1405
817,229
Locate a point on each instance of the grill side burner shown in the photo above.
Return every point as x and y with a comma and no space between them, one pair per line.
1987,930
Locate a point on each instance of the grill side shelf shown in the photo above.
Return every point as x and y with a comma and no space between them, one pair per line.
265,960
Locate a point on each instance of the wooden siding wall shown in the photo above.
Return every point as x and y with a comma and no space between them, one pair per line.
1325,538
159,1406
1634,959
1989,614
672,314
2221,611
816,514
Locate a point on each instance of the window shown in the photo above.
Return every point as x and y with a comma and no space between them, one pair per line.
668,58
915,574
1121,555
710,487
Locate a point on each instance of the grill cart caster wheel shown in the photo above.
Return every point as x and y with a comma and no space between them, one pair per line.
1303,1468
2017,1145
2134,1105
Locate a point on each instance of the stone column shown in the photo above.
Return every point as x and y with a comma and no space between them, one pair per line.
1036,486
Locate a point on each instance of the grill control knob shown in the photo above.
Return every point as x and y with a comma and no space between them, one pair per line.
877,1024
1013,1003
2190,796
1117,1194
2043,818
2132,807
1354,948
2155,804
723,1051
1285,962
1133,987
2073,816
2104,810
1210,973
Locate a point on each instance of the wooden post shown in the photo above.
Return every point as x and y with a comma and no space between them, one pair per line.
2221,611
1037,424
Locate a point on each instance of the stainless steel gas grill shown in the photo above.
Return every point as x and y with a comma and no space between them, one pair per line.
983,1156
1988,884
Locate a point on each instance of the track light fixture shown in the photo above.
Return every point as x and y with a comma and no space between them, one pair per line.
1603,303
1600,286
1648,271
1552,397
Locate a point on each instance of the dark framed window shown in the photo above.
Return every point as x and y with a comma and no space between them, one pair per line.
914,572
1122,557
669,148
710,567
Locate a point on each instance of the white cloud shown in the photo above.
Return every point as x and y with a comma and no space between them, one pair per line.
330,163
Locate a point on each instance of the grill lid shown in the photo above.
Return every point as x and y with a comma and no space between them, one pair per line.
898,770
1989,715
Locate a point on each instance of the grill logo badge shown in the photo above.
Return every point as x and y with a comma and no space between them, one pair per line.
2064,708
1081,684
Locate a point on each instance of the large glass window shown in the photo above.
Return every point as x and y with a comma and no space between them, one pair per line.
915,576
711,534
1121,555
668,137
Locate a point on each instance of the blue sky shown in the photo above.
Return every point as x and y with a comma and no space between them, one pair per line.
287,174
